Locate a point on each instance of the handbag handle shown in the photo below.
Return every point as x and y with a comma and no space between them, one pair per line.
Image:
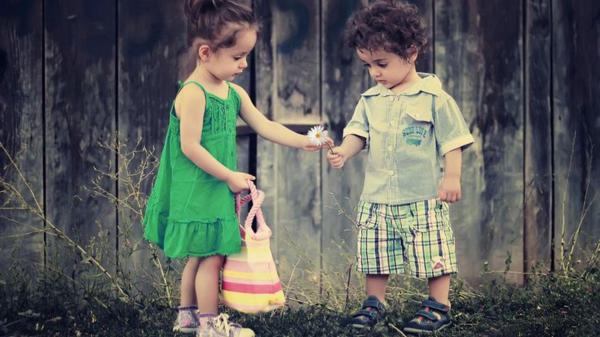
257,196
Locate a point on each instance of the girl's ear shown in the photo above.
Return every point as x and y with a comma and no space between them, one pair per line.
204,52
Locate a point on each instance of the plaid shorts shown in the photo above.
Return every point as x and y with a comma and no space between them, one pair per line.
416,236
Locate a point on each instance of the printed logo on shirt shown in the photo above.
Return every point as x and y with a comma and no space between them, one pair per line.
414,135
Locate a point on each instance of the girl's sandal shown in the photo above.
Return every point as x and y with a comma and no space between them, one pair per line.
186,320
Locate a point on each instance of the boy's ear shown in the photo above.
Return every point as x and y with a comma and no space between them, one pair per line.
204,52
413,53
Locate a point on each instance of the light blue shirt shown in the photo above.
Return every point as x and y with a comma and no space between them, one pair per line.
407,135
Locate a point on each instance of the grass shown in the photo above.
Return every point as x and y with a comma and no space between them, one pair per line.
547,306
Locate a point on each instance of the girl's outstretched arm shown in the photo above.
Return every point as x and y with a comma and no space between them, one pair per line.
269,129
190,105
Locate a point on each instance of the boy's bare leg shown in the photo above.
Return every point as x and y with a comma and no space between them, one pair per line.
376,285
439,287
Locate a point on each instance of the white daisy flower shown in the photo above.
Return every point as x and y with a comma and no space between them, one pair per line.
317,135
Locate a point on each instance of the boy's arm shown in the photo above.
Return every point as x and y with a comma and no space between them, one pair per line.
351,145
356,135
191,105
269,129
449,189
452,136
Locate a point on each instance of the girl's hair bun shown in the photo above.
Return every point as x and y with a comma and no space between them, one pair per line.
193,8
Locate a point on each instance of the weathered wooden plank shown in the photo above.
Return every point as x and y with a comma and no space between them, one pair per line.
80,113
576,138
425,61
478,58
147,79
343,80
538,130
21,87
264,77
287,90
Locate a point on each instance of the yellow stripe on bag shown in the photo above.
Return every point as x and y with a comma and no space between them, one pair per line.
255,257
250,276
256,250
253,299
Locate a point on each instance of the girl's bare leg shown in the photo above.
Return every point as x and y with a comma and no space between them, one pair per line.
207,286
188,277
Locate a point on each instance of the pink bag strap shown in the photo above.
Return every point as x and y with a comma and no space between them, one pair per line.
240,201
257,197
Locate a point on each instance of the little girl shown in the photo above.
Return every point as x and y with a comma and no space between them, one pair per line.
191,209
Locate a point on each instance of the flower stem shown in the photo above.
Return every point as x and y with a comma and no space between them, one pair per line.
330,148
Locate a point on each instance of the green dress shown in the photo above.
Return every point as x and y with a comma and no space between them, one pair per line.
190,212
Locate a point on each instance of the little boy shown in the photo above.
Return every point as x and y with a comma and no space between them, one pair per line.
407,124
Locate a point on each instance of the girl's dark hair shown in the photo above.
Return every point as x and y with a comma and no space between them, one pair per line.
393,26
215,23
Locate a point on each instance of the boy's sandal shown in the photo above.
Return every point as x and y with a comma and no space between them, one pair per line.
370,313
432,317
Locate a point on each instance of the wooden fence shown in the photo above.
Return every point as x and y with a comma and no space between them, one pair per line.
525,73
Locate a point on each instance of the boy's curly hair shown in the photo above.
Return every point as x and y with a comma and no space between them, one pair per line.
393,26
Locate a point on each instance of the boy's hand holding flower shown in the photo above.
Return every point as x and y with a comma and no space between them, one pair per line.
337,157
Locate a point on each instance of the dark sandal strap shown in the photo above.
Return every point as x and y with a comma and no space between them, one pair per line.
435,305
427,314
373,302
190,308
371,314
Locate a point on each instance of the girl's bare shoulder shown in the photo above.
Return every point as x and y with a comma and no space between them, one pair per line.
190,96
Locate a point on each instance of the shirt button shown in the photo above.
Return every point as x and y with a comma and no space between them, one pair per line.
391,173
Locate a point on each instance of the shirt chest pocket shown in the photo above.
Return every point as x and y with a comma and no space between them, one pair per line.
416,126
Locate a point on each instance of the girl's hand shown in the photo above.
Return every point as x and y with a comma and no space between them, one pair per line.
307,145
336,157
449,189
238,181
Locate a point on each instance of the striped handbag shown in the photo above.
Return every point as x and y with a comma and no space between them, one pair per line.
250,283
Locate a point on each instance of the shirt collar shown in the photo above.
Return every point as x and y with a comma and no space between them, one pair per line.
428,83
